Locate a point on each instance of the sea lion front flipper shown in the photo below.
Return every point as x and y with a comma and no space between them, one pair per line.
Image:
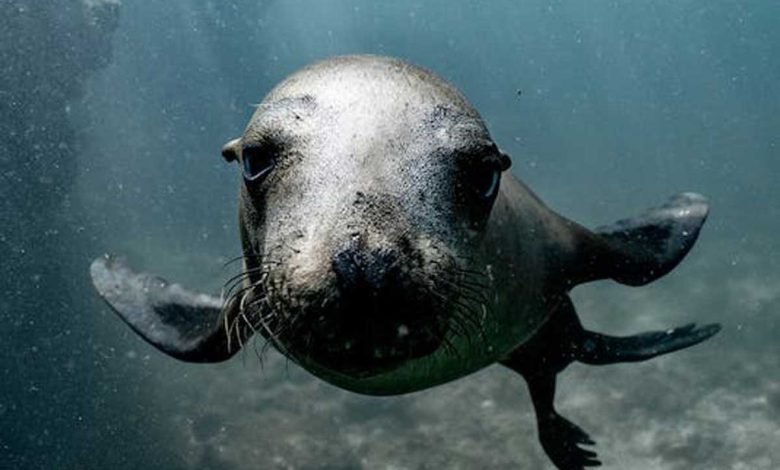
539,361
639,250
182,324
561,439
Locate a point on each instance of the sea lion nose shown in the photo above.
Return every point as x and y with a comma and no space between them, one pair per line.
358,269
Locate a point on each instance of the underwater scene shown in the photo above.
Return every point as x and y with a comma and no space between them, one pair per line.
470,236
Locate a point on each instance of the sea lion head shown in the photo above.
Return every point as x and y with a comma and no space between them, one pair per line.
367,183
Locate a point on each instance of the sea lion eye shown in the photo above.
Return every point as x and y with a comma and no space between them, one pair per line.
485,177
257,162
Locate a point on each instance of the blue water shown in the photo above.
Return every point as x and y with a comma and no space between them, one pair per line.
606,108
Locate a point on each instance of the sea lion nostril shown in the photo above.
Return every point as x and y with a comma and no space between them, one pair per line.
358,269
381,268
347,267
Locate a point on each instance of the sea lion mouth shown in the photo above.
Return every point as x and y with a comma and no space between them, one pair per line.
361,356
364,336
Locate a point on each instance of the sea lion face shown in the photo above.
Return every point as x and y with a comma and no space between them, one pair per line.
366,184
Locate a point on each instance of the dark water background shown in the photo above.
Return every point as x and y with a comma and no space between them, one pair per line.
112,119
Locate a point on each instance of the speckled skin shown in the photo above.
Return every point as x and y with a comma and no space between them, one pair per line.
370,146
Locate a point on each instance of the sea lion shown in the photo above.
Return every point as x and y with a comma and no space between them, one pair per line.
386,249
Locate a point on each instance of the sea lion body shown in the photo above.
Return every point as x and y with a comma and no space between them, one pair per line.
386,249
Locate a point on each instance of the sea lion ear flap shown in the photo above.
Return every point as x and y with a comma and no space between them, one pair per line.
639,250
231,149
180,323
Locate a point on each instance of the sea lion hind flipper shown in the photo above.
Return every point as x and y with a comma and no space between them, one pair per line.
598,349
639,250
182,324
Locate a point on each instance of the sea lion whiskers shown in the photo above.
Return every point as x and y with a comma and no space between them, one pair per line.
231,289
229,328
245,312
268,320
241,296
240,258
461,294
256,336
446,301
446,343
466,314
469,277
455,287
236,280
461,319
